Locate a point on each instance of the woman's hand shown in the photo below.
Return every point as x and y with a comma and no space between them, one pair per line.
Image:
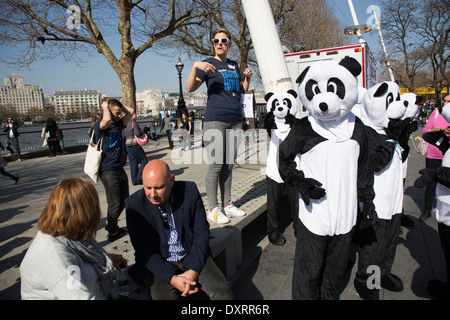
248,73
205,67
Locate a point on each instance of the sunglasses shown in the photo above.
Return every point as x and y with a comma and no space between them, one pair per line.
223,40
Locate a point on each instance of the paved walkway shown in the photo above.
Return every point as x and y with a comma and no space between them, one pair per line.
266,271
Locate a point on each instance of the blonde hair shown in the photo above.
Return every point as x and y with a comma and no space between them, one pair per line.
72,211
221,30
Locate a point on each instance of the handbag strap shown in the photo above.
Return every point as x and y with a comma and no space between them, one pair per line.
99,142
436,114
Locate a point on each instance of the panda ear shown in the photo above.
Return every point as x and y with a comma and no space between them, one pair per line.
419,99
292,93
352,65
382,89
267,96
301,77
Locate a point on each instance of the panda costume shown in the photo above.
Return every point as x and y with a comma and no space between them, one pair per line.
281,110
333,152
381,110
440,175
411,101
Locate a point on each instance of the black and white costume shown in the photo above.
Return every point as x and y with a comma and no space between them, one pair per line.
281,110
334,154
380,105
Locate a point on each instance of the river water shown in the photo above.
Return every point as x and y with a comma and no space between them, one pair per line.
74,134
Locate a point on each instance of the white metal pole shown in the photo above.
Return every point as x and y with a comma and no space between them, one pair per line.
355,20
391,73
267,45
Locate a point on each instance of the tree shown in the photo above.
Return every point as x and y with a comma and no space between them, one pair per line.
195,39
312,25
399,20
289,16
416,34
44,29
434,30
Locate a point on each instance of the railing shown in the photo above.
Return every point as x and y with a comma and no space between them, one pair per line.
30,137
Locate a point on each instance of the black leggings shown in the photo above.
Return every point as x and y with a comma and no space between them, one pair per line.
430,190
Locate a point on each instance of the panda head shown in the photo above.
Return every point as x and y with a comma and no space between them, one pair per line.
396,108
411,101
282,104
382,102
446,112
329,90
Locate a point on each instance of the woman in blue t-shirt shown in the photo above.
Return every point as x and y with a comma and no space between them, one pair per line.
223,113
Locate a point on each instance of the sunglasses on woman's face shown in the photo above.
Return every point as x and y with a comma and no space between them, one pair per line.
223,40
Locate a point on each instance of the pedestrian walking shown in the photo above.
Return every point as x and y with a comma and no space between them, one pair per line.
3,164
12,138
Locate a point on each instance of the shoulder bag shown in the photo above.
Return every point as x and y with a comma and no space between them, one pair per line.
141,138
422,148
93,158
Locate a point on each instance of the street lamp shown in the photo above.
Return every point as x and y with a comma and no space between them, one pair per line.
363,28
181,104
357,29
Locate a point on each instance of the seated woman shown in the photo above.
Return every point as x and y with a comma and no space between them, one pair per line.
64,260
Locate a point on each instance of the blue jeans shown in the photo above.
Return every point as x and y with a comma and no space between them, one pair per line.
15,143
137,156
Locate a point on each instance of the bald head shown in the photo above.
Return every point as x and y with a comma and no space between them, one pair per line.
157,182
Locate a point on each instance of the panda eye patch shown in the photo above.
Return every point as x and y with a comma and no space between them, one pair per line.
311,89
275,104
389,99
287,103
336,86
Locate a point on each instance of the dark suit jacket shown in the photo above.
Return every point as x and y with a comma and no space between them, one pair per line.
15,128
147,233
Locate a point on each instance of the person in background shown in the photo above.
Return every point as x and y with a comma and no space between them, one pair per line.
223,113
3,164
433,158
52,140
64,261
148,131
185,129
114,178
136,154
168,124
12,138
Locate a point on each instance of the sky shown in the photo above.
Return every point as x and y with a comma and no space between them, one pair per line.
151,70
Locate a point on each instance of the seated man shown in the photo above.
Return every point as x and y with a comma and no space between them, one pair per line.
167,225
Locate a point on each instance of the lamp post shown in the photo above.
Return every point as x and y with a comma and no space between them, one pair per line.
357,29
388,61
181,107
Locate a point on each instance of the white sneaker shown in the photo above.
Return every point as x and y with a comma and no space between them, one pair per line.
233,211
217,216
